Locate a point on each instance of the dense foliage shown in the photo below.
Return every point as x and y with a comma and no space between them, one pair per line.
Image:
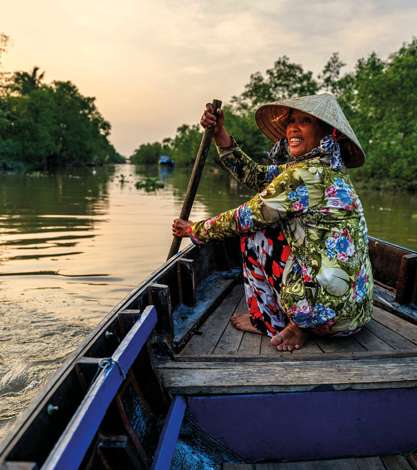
379,98
46,126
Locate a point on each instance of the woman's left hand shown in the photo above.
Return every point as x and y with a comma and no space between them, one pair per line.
181,228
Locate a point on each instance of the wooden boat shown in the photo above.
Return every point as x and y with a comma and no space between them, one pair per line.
166,382
166,160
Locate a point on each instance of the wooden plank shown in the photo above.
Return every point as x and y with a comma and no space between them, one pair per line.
310,347
396,462
303,357
74,442
169,436
284,466
397,324
230,341
160,296
385,299
385,259
339,344
212,329
390,337
187,281
279,466
266,347
371,342
238,466
230,377
250,344
188,319
407,277
369,463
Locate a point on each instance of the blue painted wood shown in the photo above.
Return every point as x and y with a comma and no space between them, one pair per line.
310,425
166,160
169,436
137,337
70,450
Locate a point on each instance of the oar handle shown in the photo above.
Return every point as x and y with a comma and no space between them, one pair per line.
195,177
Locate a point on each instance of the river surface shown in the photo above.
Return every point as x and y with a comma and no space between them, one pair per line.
72,245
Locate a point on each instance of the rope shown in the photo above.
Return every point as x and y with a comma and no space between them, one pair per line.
108,363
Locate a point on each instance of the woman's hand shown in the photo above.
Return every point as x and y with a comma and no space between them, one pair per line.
181,228
210,119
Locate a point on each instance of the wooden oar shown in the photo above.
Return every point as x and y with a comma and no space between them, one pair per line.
200,160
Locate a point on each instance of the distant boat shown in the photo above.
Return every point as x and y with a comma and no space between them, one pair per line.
166,382
166,160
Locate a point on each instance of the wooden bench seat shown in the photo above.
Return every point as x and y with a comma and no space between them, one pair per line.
220,359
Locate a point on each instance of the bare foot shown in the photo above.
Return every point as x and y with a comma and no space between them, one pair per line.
290,338
242,322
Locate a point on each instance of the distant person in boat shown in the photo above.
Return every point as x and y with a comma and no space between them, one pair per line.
303,237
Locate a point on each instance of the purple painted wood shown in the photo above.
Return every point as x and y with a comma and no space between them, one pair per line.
70,450
169,436
310,425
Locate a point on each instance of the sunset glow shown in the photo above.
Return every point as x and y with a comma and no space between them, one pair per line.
152,65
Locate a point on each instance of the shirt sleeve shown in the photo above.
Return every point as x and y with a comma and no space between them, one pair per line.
287,196
244,169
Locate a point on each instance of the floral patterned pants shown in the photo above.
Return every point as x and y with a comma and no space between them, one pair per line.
265,254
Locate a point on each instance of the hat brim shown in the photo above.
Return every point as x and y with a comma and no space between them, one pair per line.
272,120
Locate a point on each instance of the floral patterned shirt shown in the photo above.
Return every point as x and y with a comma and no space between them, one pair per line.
328,276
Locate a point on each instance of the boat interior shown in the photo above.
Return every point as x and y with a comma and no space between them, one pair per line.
210,356
166,379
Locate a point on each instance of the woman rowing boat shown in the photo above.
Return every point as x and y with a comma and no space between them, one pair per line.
303,235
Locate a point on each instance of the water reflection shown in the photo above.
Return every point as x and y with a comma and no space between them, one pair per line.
392,216
36,209
165,171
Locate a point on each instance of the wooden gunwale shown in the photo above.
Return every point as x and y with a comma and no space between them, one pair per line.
24,421
161,287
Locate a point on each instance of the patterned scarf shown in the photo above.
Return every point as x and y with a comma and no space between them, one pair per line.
328,149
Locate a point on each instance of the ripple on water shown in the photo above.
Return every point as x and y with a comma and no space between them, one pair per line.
29,341
14,380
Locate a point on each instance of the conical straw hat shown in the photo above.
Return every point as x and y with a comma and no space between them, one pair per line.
272,120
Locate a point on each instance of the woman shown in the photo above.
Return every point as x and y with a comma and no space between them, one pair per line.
303,236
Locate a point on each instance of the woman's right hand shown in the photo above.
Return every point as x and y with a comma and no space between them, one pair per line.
210,119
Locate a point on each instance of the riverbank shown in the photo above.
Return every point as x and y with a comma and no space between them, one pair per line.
360,182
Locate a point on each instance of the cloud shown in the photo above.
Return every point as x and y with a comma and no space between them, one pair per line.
152,64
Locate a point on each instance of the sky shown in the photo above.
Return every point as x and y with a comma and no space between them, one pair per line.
153,64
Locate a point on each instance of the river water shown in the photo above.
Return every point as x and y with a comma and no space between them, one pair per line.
74,244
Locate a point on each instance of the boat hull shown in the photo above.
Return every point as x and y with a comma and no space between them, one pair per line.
310,425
